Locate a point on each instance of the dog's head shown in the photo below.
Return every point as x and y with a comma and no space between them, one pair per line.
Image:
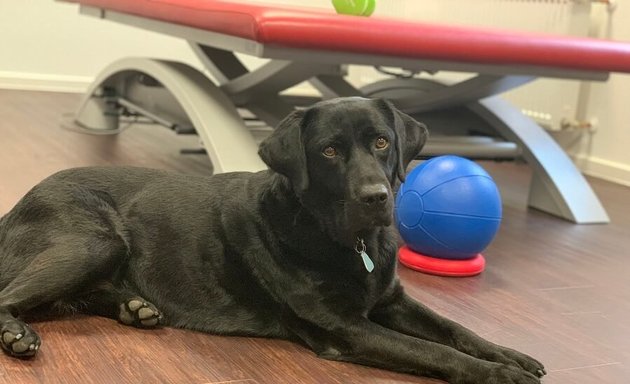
342,157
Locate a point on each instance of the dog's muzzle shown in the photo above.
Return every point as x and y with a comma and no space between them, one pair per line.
374,202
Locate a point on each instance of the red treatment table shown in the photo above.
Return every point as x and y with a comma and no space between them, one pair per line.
316,46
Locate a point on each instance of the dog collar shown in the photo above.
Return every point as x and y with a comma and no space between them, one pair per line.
360,248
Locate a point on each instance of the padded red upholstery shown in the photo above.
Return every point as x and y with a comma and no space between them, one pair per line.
320,30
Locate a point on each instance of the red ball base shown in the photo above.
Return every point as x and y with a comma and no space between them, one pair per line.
441,267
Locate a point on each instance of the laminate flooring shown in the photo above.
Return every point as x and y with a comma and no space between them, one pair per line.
558,291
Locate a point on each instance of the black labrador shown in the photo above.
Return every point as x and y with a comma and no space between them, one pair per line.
304,251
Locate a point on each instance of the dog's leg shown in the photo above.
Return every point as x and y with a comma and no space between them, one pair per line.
403,314
122,304
56,274
364,342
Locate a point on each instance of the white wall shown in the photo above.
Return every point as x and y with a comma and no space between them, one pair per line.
46,45
606,154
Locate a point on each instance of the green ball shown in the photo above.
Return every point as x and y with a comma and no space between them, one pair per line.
355,7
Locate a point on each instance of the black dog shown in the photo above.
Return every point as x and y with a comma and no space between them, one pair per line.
304,251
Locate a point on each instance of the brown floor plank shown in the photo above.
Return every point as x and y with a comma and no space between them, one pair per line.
553,289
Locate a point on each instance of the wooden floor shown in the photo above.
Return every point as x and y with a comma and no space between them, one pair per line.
558,291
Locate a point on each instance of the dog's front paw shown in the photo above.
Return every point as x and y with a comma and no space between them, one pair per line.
507,374
520,360
139,313
18,339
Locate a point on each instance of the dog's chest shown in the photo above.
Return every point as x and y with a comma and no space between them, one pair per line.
365,288
380,279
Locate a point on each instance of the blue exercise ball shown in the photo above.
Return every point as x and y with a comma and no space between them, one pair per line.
448,207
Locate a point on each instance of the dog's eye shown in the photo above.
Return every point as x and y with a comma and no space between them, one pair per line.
329,152
381,143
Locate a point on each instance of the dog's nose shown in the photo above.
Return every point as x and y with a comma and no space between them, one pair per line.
374,194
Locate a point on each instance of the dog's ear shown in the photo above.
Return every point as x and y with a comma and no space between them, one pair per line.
283,151
411,135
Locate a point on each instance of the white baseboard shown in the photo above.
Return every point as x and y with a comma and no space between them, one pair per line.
604,169
44,82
